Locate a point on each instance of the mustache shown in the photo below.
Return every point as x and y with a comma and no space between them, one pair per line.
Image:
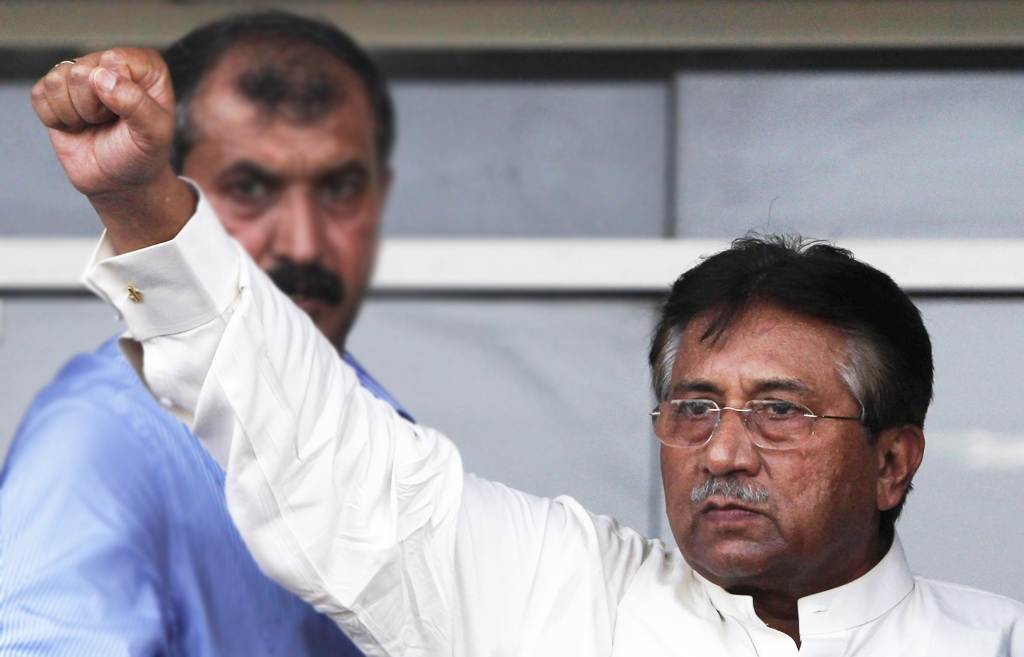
308,281
730,487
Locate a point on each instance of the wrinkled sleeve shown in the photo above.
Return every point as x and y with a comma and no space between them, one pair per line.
80,545
338,498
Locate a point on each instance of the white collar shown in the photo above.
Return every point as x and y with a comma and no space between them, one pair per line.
861,601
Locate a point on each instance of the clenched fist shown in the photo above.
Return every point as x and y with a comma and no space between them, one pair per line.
111,121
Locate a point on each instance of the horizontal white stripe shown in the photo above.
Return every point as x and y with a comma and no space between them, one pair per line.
979,449
573,265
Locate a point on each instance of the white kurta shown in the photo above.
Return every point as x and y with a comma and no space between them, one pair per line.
371,519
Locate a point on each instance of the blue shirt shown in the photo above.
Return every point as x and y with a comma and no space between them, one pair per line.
115,537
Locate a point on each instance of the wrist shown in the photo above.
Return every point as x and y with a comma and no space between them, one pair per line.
149,214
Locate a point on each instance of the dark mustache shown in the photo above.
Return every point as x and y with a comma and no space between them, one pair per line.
310,281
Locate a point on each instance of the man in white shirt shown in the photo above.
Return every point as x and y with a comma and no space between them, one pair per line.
793,383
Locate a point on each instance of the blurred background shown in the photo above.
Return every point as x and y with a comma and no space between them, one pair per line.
591,151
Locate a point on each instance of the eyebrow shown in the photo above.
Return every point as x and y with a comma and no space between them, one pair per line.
251,170
784,385
762,387
695,385
351,168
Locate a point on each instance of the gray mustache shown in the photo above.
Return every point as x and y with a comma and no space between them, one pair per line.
729,487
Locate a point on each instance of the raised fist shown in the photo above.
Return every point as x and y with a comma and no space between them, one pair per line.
111,121
111,117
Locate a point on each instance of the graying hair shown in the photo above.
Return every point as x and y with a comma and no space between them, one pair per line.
661,376
863,371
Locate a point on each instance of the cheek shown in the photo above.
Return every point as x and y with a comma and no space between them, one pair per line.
255,238
815,496
679,476
254,234
353,245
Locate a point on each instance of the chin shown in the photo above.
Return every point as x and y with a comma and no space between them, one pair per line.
334,330
734,567
731,561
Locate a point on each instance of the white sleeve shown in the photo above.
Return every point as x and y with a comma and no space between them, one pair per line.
361,513
361,528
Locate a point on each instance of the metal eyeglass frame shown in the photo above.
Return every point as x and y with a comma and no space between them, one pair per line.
748,412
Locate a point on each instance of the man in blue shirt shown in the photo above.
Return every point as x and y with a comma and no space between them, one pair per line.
114,533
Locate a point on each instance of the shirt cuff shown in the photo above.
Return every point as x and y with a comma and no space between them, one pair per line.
173,286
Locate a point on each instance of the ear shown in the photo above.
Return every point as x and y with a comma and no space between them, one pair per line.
900,450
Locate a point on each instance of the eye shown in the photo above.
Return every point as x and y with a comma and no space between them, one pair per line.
341,189
779,410
694,409
250,189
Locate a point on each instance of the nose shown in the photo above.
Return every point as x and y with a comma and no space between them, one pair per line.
299,236
730,448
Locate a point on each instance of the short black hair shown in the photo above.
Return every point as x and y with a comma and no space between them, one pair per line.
891,373
194,56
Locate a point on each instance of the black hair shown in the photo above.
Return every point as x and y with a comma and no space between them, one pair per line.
890,368
194,56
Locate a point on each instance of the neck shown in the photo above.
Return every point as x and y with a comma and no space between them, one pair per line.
778,606
779,612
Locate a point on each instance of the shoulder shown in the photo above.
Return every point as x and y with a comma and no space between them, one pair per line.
93,418
95,376
557,530
83,522
966,606
543,521
82,488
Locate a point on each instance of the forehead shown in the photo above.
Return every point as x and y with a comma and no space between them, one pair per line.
222,114
764,343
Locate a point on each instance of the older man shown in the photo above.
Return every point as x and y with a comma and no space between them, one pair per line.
793,381
115,535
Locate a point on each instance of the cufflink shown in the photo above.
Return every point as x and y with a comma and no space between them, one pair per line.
135,294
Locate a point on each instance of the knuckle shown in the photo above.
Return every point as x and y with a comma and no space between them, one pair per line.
112,58
54,79
79,74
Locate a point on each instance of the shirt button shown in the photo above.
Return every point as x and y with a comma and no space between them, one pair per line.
135,294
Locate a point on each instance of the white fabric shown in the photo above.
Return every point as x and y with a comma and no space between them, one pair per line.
371,518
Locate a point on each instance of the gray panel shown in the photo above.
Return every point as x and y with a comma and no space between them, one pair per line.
35,195
538,159
38,337
851,154
472,160
550,397
965,520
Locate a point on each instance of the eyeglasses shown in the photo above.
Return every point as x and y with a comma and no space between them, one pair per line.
774,424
